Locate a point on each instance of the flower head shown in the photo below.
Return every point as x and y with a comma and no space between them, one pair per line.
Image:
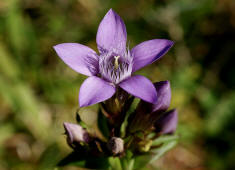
114,65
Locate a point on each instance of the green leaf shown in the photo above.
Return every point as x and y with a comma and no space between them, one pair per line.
164,138
125,122
101,163
128,164
142,160
79,120
163,149
73,159
115,163
82,160
103,124
124,125
128,161
168,142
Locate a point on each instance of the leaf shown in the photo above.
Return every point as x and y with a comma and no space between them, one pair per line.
124,125
115,163
82,160
163,149
168,143
164,138
128,164
128,161
79,120
101,163
125,122
73,159
103,124
142,160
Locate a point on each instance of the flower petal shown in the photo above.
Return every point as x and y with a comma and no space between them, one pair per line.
79,57
149,51
140,87
111,33
167,123
95,90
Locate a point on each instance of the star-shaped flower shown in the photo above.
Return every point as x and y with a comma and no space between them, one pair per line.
115,64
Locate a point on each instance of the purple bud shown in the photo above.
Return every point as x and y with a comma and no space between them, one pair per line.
163,99
167,123
164,96
116,145
75,134
148,113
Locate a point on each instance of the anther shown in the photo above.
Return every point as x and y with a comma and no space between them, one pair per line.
116,61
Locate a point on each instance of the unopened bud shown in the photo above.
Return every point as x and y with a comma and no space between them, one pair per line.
75,134
116,145
147,113
167,123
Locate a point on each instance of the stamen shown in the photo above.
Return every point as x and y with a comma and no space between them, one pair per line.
116,62
114,69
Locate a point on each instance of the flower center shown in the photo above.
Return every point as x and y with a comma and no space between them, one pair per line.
115,68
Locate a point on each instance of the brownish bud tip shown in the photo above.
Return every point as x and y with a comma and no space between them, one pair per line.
116,145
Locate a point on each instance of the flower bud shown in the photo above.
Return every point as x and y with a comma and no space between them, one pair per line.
164,96
163,99
75,134
167,123
116,145
147,113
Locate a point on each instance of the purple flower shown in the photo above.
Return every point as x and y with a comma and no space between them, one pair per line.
114,65
154,114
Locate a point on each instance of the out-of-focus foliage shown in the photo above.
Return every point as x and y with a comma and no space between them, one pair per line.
38,91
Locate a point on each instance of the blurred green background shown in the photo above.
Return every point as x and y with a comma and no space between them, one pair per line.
38,92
